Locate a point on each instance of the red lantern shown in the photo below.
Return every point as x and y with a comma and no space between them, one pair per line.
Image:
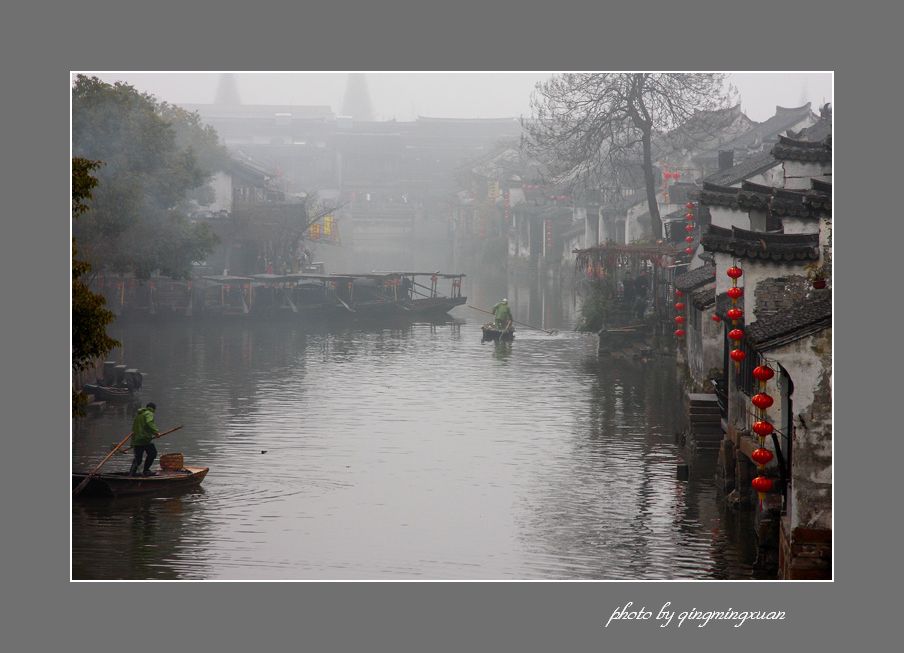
688,239
688,250
679,319
761,484
737,355
679,293
716,318
679,333
763,428
761,456
688,216
763,373
734,272
688,227
679,306
689,205
736,334
735,292
761,400
734,313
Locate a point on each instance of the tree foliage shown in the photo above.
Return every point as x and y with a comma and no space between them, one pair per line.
156,158
90,316
597,129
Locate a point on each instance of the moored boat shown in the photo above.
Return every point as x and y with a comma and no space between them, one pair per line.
118,484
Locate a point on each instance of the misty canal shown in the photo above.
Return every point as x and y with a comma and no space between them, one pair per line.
406,452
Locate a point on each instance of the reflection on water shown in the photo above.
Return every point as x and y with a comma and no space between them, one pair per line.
410,452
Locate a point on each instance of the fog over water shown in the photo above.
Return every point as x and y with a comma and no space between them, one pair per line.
413,452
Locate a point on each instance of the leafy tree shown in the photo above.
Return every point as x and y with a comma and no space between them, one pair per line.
155,156
90,317
598,128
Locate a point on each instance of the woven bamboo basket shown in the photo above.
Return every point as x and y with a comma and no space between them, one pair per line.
172,462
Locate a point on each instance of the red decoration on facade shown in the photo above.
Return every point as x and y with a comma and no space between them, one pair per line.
679,333
761,400
689,205
734,272
763,428
737,355
689,227
679,306
761,456
688,250
688,216
679,293
679,319
763,373
736,334
688,239
734,313
761,484
735,292
716,318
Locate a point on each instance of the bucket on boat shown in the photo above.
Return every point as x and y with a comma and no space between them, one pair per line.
172,462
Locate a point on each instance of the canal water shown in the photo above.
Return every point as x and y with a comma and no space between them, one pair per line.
411,452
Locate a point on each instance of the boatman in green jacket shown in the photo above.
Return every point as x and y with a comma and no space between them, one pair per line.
143,433
503,315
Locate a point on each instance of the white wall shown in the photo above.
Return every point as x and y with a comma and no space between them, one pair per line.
222,188
797,174
725,217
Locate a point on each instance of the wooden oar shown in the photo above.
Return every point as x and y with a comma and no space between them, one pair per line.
159,435
81,486
530,326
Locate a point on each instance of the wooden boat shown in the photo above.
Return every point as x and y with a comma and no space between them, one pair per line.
108,392
119,484
490,332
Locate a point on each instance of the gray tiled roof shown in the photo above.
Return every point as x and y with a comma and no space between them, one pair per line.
749,167
704,298
695,278
761,245
809,316
789,149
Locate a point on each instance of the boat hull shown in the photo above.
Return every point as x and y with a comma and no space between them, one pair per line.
119,484
496,335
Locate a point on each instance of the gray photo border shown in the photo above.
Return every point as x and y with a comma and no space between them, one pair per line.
412,616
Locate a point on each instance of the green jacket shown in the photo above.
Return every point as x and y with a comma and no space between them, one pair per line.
502,313
143,427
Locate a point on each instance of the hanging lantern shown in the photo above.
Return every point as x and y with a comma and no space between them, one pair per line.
679,293
735,292
679,319
679,333
762,428
736,334
763,373
688,250
737,355
762,400
761,484
689,205
761,456
688,216
716,318
689,227
734,313
679,306
688,239
734,272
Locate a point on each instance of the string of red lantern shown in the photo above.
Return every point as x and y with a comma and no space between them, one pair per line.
735,314
763,428
679,320
689,216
